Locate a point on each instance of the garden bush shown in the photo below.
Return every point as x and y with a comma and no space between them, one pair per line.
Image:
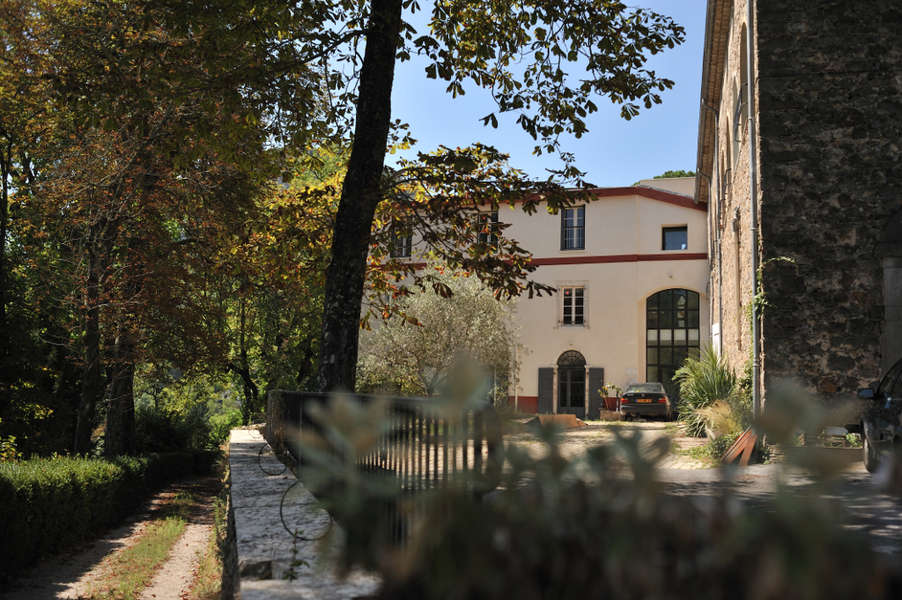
704,382
48,504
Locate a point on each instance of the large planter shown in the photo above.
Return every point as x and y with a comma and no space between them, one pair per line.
610,402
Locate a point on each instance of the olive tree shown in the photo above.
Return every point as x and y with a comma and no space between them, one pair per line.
415,353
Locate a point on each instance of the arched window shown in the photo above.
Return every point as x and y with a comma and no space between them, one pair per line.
671,334
571,378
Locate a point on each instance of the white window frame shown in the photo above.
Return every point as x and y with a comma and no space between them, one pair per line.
560,305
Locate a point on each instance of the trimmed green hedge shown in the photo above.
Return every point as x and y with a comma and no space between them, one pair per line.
47,504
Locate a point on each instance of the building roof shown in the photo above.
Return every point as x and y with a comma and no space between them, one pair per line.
652,193
717,26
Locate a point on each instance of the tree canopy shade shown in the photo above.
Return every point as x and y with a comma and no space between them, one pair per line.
519,52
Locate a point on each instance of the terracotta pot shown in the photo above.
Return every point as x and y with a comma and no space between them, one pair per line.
610,402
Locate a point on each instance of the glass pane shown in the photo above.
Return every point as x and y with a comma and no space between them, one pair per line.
665,319
665,299
651,356
679,337
693,336
666,337
675,238
667,376
679,298
693,318
665,356
694,352
652,302
580,215
651,320
680,318
679,355
693,300
651,336
651,373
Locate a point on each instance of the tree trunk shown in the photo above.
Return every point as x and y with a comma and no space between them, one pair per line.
251,392
92,378
5,168
360,195
120,415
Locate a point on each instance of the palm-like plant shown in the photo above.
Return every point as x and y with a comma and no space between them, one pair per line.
703,381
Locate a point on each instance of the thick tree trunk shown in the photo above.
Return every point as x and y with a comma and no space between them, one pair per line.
120,415
360,195
92,377
5,168
251,392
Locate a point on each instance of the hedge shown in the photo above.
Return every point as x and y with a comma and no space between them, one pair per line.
48,504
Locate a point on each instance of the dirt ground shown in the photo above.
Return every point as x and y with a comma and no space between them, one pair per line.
574,442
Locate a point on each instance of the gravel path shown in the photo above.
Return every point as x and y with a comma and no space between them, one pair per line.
175,577
74,574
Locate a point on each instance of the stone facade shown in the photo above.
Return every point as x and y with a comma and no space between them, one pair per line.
827,103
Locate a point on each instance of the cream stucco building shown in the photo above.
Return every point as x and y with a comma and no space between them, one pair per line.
631,270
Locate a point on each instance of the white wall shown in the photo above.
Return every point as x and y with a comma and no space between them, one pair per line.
620,229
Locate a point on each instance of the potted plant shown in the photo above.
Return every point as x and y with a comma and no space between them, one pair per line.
610,394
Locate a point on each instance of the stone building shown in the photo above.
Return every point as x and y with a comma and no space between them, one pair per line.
800,128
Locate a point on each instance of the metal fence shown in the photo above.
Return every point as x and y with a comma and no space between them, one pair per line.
426,445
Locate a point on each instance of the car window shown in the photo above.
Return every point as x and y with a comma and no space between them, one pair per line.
891,385
645,388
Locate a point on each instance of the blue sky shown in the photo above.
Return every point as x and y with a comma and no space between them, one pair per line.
614,152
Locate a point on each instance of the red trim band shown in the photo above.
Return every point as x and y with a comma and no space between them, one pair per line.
617,258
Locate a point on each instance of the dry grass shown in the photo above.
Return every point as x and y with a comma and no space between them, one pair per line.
207,584
131,569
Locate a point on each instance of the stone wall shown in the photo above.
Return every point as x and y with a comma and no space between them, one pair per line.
830,110
731,280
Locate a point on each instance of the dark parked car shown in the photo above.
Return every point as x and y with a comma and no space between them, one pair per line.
880,425
645,400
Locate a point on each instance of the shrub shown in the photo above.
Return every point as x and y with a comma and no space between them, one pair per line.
703,382
221,424
48,504
166,431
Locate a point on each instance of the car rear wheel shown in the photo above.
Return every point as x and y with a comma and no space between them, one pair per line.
871,459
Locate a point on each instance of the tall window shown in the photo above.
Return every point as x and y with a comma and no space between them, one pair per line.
674,238
574,305
488,227
573,228
571,377
401,246
672,334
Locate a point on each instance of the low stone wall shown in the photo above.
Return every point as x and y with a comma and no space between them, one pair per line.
270,562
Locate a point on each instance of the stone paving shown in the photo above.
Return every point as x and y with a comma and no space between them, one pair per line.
271,563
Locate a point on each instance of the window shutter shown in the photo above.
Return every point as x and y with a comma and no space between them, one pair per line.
546,389
596,382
